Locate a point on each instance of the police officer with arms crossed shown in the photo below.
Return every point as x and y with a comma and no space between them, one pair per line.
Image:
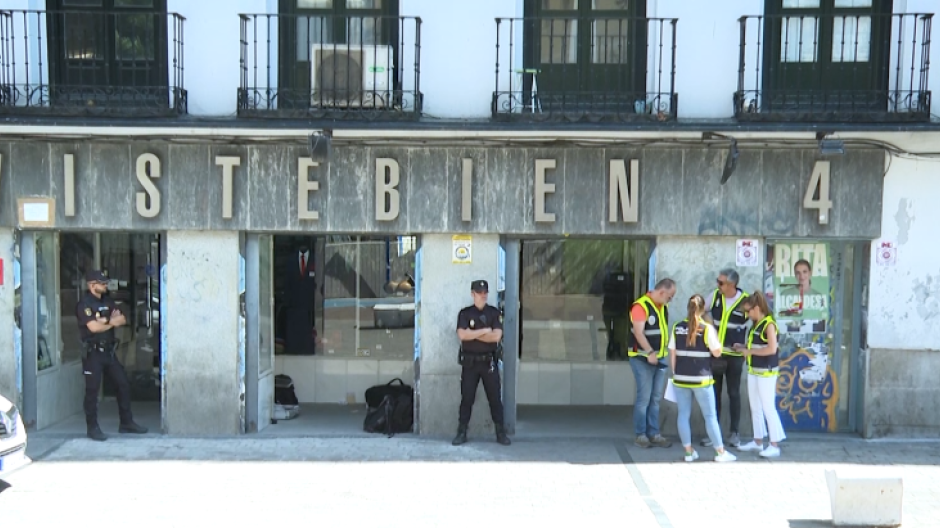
727,313
98,316
479,329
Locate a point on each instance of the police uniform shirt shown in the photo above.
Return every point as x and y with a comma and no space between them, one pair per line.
472,318
88,309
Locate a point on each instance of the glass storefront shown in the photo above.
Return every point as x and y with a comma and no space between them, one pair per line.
576,296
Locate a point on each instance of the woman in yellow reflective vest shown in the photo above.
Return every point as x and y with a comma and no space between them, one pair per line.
692,345
763,368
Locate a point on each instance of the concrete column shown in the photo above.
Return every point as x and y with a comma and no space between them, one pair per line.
9,362
201,386
445,289
694,263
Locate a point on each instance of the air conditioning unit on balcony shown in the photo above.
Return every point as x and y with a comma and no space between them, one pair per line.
346,76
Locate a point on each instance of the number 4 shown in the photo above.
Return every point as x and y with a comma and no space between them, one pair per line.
819,181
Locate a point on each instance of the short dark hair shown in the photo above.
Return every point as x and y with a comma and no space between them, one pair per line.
664,284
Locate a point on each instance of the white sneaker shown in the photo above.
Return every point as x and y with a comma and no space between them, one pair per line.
725,457
693,457
751,446
770,451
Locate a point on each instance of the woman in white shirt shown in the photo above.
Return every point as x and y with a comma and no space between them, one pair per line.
692,345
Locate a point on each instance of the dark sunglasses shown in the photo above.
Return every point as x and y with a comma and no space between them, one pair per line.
720,282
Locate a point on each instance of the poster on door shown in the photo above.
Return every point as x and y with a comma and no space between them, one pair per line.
801,287
799,293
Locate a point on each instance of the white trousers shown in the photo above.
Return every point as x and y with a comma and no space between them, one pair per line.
762,393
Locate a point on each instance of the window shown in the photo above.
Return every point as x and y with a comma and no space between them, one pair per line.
341,34
96,44
583,48
827,49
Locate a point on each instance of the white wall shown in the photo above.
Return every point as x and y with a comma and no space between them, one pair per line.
904,302
458,51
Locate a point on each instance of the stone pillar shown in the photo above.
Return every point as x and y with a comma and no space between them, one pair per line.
445,289
9,362
694,263
201,387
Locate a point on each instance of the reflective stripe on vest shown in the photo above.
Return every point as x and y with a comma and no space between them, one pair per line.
656,331
764,366
693,362
725,323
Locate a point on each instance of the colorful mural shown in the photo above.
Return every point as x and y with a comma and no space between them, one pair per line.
798,288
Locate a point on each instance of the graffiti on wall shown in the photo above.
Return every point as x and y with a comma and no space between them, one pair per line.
799,291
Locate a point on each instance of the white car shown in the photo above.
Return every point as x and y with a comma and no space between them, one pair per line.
12,438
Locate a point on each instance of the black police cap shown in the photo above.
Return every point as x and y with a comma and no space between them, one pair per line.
479,286
95,276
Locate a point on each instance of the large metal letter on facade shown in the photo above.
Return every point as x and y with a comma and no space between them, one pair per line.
542,188
619,191
148,202
466,191
304,187
386,188
69,160
228,164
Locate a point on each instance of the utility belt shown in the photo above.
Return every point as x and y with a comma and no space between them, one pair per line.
98,347
473,358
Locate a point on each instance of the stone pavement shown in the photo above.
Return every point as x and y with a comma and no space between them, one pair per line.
412,481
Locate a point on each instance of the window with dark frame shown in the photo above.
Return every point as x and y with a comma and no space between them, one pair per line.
339,35
587,52
826,54
111,51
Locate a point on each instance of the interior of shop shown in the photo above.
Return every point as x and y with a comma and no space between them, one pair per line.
344,316
132,262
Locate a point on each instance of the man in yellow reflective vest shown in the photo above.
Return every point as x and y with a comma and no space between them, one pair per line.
649,316
726,314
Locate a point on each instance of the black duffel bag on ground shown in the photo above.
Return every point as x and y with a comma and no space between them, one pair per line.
375,395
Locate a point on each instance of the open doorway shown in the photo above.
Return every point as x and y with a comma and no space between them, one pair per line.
575,298
344,317
55,275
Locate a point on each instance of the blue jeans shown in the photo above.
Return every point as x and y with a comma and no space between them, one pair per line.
650,385
705,396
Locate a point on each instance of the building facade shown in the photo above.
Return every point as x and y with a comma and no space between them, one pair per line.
307,188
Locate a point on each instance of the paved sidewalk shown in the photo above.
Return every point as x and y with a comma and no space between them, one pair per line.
411,481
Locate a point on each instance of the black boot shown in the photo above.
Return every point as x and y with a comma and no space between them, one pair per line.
461,437
131,427
501,435
94,432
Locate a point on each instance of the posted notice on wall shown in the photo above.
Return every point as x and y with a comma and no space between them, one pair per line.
886,253
801,286
747,253
462,253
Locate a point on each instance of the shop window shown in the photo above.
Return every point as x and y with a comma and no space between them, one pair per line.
576,295
345,296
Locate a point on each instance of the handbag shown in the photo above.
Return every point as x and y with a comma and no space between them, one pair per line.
377,393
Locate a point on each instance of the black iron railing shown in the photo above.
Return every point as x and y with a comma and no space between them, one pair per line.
91,63
810,67
330,66
574,68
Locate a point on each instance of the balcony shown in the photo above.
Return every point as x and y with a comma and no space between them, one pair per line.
91,63
815,68
594,69
362,67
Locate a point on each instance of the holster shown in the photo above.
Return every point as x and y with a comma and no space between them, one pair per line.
93,347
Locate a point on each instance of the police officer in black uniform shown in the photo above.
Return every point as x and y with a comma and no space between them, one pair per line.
98,316
480,329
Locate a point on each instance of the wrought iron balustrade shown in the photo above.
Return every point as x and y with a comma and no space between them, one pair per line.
811,67
91,62
330,66
599,68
